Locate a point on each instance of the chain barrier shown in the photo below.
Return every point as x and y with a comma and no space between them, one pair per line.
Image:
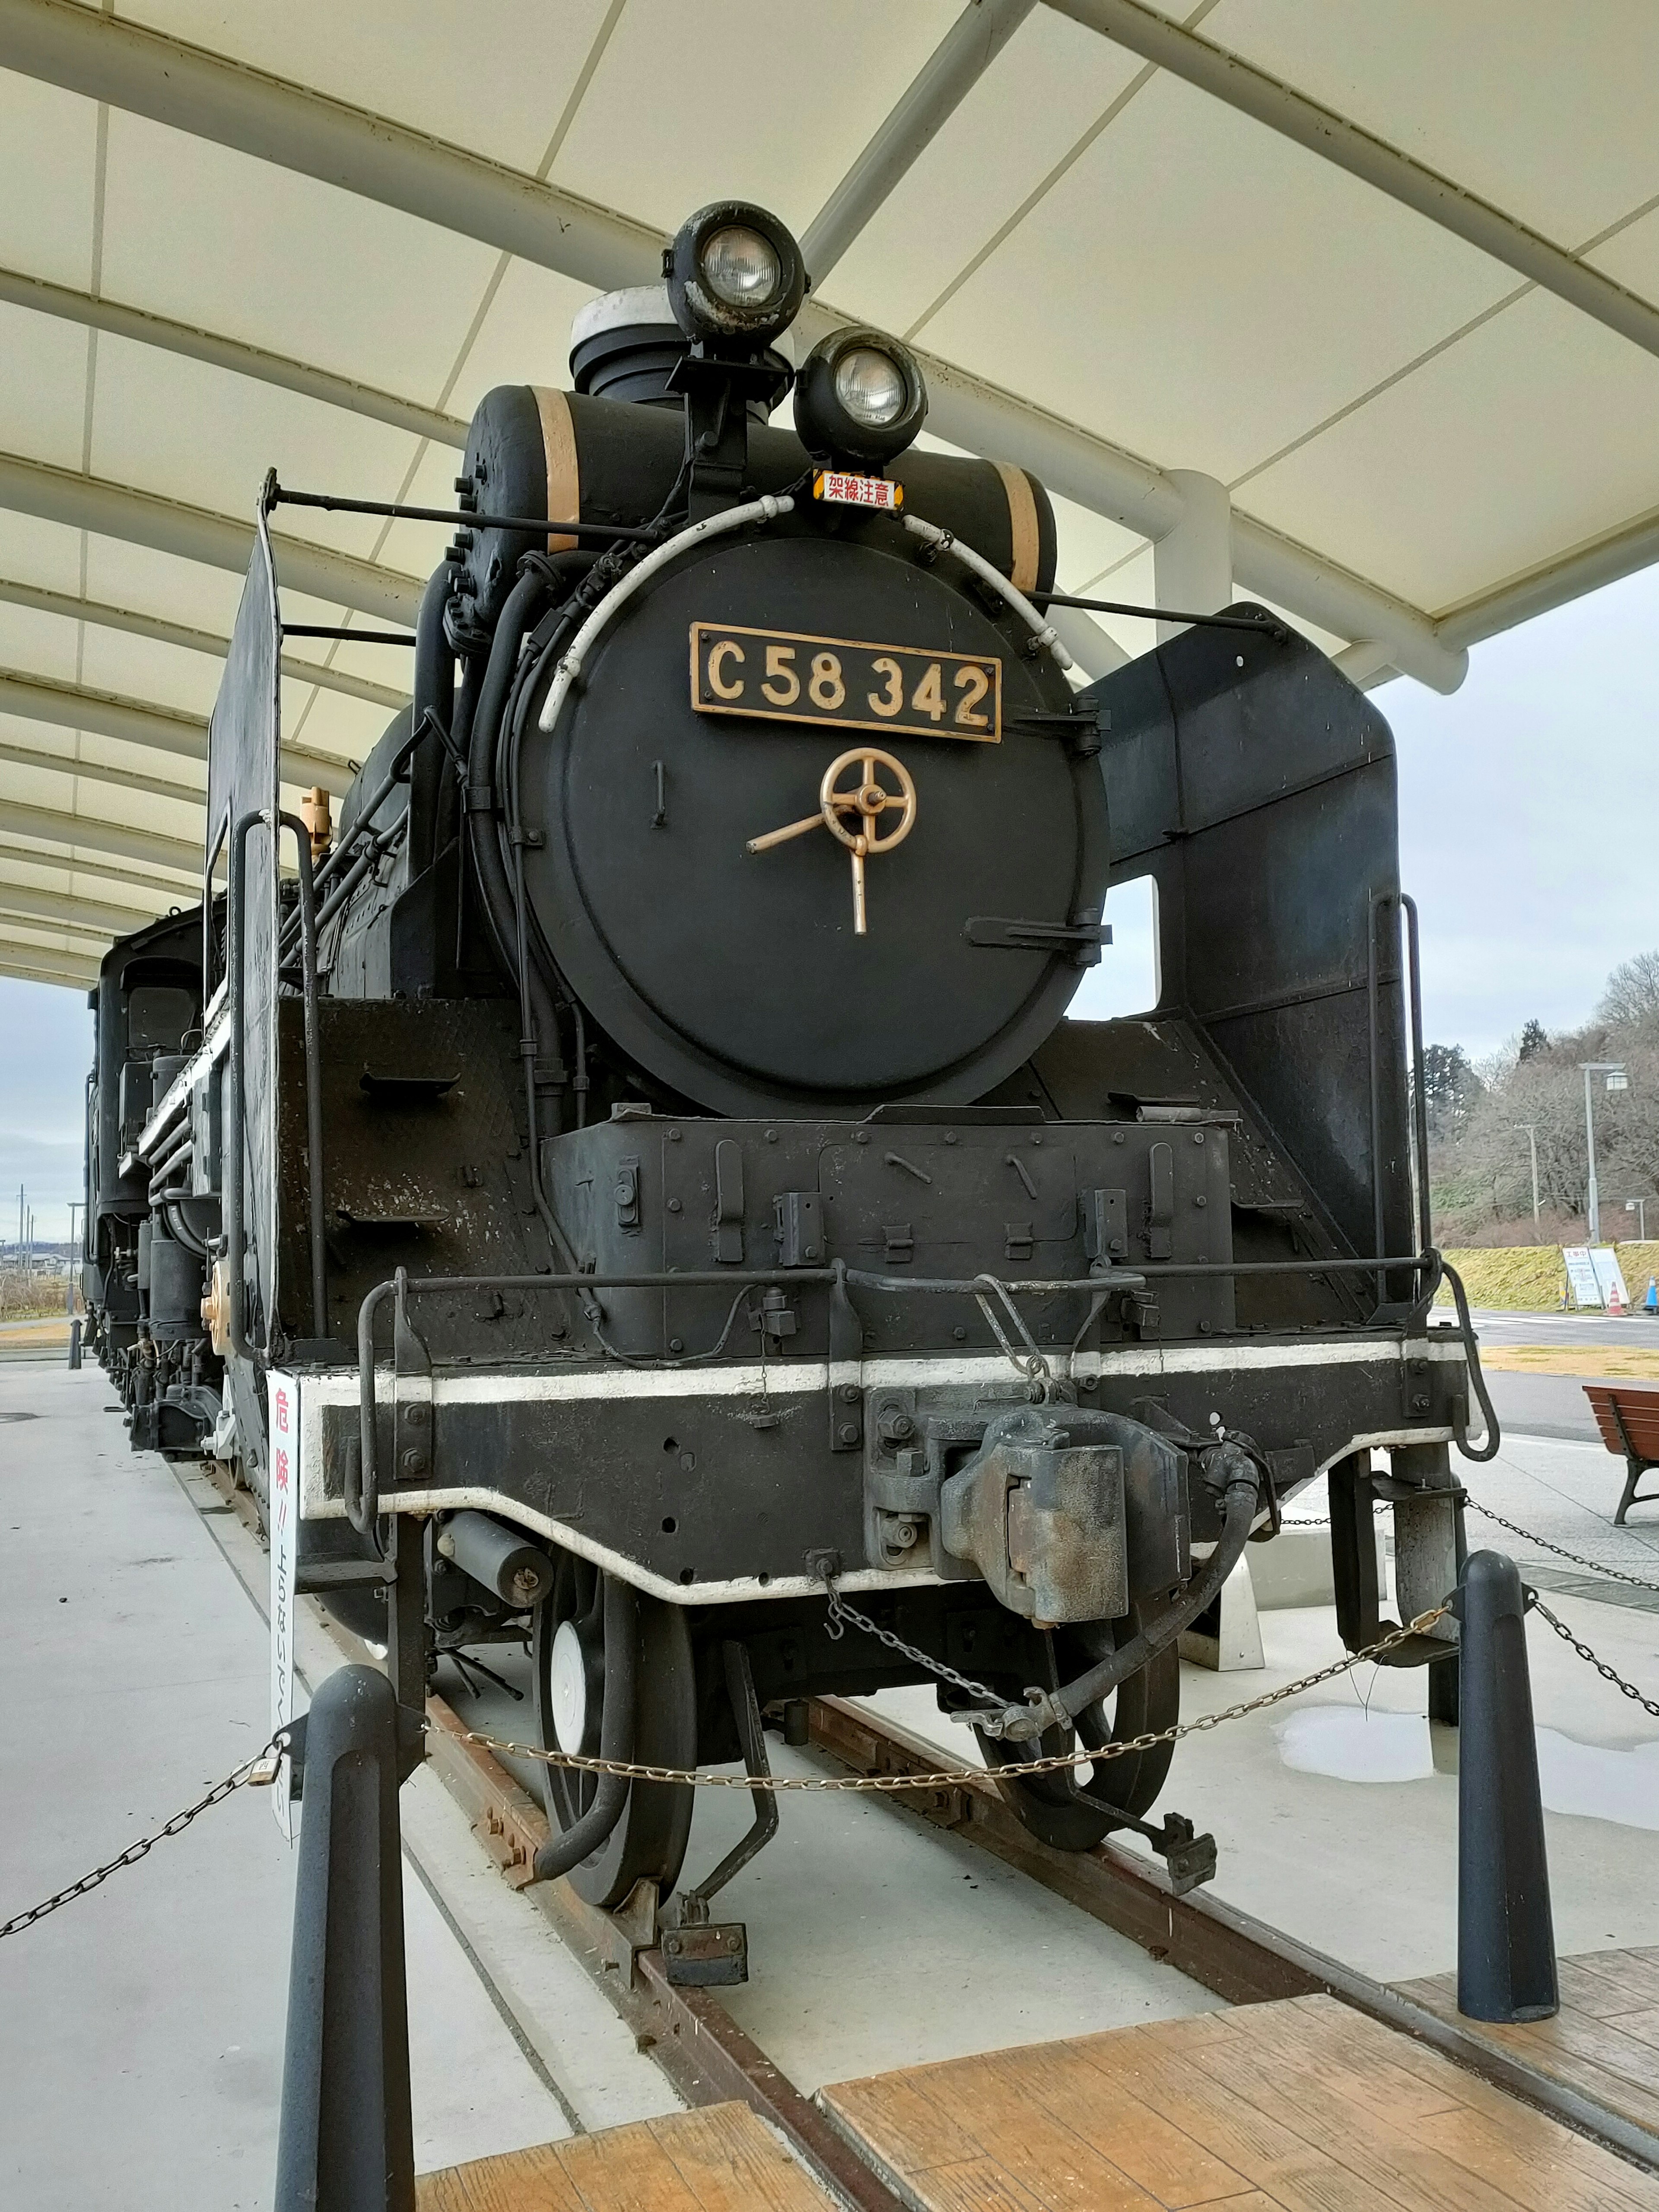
954,1776
1595,1566
840,1612
259,1770
1608,1674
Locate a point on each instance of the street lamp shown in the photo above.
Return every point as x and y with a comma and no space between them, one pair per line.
1531,1131
1616,1080
72,1269
1638,1206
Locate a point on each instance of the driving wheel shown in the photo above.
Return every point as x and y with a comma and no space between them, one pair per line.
648,1841
1072,1810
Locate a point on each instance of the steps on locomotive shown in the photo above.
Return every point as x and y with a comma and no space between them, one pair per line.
1295,2104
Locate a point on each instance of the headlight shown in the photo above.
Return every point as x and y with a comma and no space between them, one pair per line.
860,396
734,273
871,386
740,268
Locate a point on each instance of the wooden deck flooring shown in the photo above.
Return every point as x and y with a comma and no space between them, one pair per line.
721,2159
1604,2042
1302,2104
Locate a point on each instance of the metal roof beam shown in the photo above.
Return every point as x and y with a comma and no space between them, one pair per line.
118,779
1602,560
166,525
1199,61
27,937
91,916
26,965
102,616
134,722
22,928
178,854
147,73
160,894
192,90
198,344
943,81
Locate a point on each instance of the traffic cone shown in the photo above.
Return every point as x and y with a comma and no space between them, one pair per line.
1613,1306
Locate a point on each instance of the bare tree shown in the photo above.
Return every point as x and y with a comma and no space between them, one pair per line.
1479,1159
1631,997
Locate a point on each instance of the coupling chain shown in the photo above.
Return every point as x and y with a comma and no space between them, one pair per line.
261,1769
1608,1674
955,1776
840,1612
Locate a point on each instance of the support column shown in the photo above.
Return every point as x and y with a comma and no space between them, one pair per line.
1193,565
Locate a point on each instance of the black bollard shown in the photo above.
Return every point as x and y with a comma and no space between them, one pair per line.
75,1343
346,2142
1506,1937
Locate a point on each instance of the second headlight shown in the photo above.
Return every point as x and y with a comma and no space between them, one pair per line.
860,396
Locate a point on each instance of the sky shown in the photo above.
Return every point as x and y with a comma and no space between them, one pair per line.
1528,832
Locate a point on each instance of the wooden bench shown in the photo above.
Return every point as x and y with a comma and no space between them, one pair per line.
1629,1422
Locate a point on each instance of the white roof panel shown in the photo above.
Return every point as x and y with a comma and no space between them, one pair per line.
1546,110
1418,480
756,99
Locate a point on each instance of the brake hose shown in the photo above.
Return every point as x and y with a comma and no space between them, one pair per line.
570,1847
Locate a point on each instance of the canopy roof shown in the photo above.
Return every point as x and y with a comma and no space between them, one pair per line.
1388,274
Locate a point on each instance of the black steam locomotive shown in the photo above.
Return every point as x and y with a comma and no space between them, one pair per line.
631,1181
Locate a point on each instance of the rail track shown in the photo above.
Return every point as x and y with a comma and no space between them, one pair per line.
710,2059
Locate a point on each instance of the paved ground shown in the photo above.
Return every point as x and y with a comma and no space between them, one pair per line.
1601,1330
1563,1489
1555,1405
138,1675
1544,1405
141,2027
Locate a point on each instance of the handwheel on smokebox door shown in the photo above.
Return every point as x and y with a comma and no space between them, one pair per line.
869,800
648,1841
1061,1810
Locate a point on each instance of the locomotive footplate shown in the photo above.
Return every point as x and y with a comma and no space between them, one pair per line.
713,1484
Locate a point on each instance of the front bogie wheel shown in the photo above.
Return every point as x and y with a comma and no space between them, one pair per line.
648,1841
1076,1807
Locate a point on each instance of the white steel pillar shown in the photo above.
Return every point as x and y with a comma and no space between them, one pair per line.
1193,563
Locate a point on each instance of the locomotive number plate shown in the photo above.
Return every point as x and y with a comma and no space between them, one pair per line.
786,676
